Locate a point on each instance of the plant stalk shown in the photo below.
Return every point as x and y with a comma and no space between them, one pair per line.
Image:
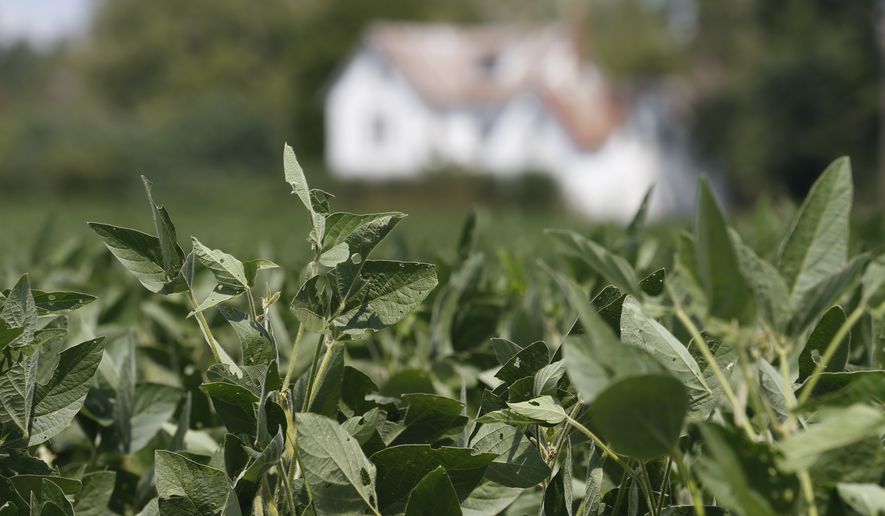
204,328
295,346
696,497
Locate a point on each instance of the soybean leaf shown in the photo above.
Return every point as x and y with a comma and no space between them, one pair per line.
866,499
543,409
839,427
818,298
57,402
169,250
638,329
613,268
780,396
504,349
153,405
57,302
93,497
247,482
717,263
428,417
816,245
52,496
555,499
742,474
401,467
592,485
228,271
524,363
596,358
141,255
818,341
17,386
33,484
390,291
764,280
295,177
186,487
518,464
251,268
546,380
874,282
339,475
20,310
257,344
434,495
633,233
847,388
641,416
489,498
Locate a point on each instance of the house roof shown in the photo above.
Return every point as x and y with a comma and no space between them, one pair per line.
453,66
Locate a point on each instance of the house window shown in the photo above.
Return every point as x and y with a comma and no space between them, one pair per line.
379,130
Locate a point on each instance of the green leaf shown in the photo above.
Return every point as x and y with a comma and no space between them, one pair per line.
141,255
172,254
824,295
361,233
17,386
390,291
20,310
52,495
641,416
592,485
400,468
247,483
816,245
518,464
295,177
93,498
543,410
434,495
717,263
57,302
339,475
547,379
57,402
772,383
764,280
228,271
640,330
866,499
526,362
251,268
874,282
489,498
257,344
837,428
428,417
596,358
234,405
818,341
847,388
742,474
615,269
154,405
186,487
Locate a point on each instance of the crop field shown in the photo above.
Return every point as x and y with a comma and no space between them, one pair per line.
369,363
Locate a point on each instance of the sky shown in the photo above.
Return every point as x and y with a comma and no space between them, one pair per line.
43,22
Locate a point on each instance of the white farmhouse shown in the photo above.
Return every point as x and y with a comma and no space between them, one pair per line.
502,100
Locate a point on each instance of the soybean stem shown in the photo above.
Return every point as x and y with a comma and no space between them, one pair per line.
204,328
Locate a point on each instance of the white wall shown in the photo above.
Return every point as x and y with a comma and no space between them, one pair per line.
369,94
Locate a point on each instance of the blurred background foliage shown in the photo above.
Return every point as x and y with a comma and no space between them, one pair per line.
206,90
